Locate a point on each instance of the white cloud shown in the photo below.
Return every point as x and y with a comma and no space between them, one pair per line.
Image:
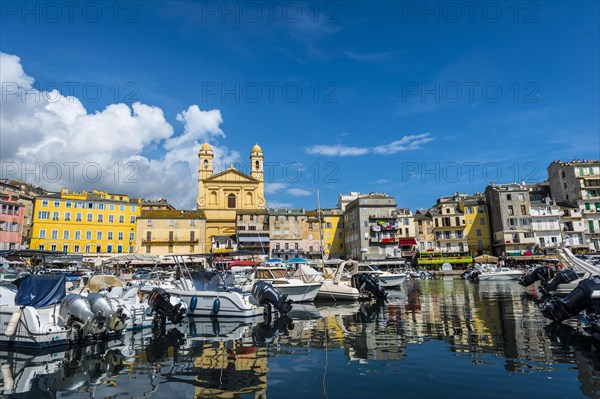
46,132
382,181
277,204
406,143
274,188
299,192
336,150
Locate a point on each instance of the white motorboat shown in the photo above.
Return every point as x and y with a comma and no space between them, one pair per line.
39,314
499,274
208,302
295,289
386,279
333,287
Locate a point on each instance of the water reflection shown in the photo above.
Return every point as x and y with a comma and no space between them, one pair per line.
469,333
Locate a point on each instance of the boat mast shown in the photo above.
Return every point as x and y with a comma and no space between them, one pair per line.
320,228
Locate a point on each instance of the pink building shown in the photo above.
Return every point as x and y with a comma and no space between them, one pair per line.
12,216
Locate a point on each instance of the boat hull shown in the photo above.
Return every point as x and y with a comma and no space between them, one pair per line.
299,293
337,292
232,304
499,276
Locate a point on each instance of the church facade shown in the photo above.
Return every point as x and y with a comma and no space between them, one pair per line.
222,194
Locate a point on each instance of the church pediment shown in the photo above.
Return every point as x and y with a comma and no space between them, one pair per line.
231,175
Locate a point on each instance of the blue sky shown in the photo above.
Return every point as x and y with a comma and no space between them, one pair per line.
415,99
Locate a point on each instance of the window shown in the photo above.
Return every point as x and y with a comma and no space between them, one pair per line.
90,217
43,215
77,235
122,208
148,236
54,234
478,232
120,236
231,201
277,247
131,249
111,219
67,216
55,215
523,210
171,222
132,219
98,248
252,228
277,232
66,235
111,207
42,233
56,203
100,218
192,235
192,222
296,246
287,246
53,247
521,197
121,219
44,202
131,236
171,236
110,235
98,235
133,208
509,197
482,221
87,248
78,217
148,249
76,248
88,236
65,248
251,217
511,211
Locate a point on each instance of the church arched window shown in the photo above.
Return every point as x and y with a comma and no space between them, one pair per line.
231,201
205,164
257,165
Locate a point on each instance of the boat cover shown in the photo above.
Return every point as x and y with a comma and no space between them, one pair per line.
39,290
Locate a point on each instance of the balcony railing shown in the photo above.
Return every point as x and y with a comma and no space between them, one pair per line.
168,241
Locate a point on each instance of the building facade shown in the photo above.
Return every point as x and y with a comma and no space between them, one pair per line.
572,227
509,208
86,222
12,216
27,193
294,234
253,232
222,194
477,223
371,227
546,227
162,232
578,181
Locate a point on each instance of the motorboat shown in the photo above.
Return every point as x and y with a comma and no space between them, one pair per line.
36,312
499,274
386,279
295,289
333,287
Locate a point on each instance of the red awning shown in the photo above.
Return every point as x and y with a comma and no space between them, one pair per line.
242,263
410,241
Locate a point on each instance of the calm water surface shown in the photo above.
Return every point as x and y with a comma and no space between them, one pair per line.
438,338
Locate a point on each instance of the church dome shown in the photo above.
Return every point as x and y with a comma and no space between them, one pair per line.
206,147
256,148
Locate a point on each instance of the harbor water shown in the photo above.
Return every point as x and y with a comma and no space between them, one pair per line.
444,338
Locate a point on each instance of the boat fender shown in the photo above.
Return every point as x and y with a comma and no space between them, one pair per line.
9,382
216,327
193,303
13,323
216,306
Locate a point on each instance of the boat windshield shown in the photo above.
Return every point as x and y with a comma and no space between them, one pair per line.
280,273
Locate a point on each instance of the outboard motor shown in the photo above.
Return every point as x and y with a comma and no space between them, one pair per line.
264,293
543,274
102,305
75,310
264,333
367,283
161,304
470,274
586,296
566,276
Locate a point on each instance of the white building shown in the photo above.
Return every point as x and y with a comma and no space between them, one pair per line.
545,224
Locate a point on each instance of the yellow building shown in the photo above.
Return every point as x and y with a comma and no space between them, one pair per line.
477,228
221,194
162,232
94,222
332,221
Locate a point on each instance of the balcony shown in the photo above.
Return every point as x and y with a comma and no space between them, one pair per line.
386,217
378,240
391,227
168,241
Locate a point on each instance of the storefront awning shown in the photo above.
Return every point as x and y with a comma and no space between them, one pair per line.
410,241
253,239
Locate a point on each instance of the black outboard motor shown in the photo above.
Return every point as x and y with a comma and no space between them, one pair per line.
264,333
470,274
542,273
265,293
160,302
367,283
566,276
586,296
